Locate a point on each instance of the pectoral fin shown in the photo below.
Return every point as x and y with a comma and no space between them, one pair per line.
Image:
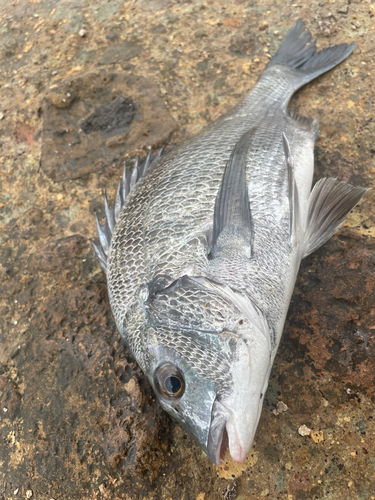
292,192
232,215
329,203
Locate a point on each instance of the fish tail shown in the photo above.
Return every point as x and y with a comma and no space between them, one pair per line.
126,184
299,53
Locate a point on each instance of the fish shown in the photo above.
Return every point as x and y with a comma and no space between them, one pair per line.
203,243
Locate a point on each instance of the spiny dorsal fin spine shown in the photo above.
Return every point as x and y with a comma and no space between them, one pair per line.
103,233
118,200
110,213
102,258
126,183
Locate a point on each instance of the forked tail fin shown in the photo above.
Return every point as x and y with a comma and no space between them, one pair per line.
298,52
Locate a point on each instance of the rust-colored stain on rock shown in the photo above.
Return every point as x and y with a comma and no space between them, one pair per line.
86,86
24,133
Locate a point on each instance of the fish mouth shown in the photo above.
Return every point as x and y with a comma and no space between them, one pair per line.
218,440
217,454
222,435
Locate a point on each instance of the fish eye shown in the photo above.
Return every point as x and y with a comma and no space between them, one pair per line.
169,381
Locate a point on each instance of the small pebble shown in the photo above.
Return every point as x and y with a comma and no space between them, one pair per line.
5,409
29,493
303,430
16,491
82,32
280,408
54,73
343,10
276,32
1,115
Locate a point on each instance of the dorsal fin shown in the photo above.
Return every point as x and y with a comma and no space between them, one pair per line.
127,182
232,213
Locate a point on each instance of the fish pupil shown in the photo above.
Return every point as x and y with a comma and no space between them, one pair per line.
173,384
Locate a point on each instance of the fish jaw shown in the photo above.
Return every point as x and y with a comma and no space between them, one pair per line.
235,416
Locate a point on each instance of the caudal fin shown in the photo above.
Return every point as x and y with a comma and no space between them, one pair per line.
298,52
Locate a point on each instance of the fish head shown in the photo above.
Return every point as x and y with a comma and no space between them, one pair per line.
208,360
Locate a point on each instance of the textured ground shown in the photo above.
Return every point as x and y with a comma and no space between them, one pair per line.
85,84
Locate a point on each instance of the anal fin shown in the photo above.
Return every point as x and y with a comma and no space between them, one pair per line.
329,203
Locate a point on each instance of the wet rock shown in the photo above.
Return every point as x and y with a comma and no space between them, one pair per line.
327,25
336,317
111,36
109,115
103,11
36,215
159,29
343,10
244,44
10,398
63,99
152,5
58,255
80,351
24,133
112,119
119,53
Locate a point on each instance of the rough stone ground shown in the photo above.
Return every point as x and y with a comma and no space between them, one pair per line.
85,84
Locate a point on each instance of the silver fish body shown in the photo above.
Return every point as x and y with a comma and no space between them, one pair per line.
204,243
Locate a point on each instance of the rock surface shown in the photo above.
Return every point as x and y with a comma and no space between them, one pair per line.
86,85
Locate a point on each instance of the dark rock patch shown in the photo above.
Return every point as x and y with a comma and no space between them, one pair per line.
112,119
92,121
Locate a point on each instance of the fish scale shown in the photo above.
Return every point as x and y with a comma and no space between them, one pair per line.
204,244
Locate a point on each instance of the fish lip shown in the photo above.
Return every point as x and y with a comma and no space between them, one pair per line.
216,452
218,440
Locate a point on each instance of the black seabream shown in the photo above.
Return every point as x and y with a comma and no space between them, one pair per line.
203,244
